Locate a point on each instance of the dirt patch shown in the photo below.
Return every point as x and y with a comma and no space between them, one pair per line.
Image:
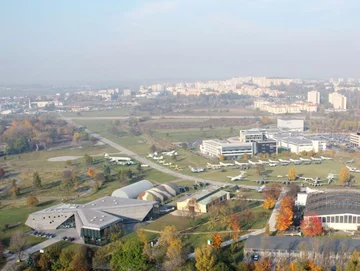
63,158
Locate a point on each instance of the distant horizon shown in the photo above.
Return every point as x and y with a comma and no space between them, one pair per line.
87,41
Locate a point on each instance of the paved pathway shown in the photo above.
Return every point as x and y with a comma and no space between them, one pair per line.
272,220
156,166
11,265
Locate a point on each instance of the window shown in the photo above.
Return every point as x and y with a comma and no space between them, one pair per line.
324,219
354,219
358,219
341,219
332,219
345,219
350,219
328,219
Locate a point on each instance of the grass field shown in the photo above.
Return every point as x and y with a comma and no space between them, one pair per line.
117,112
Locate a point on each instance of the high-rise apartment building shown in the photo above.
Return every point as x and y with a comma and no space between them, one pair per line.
338,101
313,97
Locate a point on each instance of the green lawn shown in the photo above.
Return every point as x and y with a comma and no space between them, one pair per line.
117,112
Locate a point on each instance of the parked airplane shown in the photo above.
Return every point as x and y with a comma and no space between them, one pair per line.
306,179
325,158
272,164
242,165
253,163
158,158
212,166
261,188
305,159
353,169
273,161
316,159
237,178
116,159
331,177
196,170
151,155
125,163
170,153
350,161
284,161
143,165
167,164
295,162
226,164
263,162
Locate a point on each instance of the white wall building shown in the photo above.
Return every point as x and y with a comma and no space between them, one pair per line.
291,124
338,101
355,139
313,97
299,144
216,148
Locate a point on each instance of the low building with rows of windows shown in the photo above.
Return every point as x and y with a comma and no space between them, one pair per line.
339,210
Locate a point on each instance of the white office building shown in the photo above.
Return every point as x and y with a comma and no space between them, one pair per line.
216,148
299,144
338,101
290,124
355,139
313,97
252,135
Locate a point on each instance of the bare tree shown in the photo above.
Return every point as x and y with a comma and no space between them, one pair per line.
18,242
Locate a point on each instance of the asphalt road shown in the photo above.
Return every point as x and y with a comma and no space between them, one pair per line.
160,117
154,165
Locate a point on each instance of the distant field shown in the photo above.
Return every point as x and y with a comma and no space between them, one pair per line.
117,112
197,134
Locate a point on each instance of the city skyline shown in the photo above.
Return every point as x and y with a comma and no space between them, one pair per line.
85,41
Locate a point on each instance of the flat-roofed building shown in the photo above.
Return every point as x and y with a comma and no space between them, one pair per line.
252,135
290,124
355,139
313,97
216,148
338,101
202,201
299,144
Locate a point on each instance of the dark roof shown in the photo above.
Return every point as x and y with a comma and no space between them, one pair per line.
290,243
334,202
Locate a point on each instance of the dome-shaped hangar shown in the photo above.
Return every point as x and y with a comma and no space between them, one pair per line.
133,190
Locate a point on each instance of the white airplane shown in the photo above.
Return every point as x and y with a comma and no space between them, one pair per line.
261,188
226,164
263,162
158,158
237,178
304,159
161,161
170,153
167,164
272,164
273,161
143,165
325,158
253,163
243,165
284,161
351,169
116,159
331,177
306,179
295,161
151,155
350,161
212,166
196,170
316,159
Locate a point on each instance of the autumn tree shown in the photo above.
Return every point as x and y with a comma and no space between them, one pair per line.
312,225
260,170
36,180
216,240
269,203
246,157
32,201
221,157
204,258
344,175
15,190
284,217
272,191
267,230
234,226
354,262
170,239
292,174
263,265
2,172
76,137
91,172
18,242
88,160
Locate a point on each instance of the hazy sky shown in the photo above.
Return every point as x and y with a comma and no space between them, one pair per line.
118,40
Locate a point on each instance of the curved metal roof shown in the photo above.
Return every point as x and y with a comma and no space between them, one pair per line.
133,190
